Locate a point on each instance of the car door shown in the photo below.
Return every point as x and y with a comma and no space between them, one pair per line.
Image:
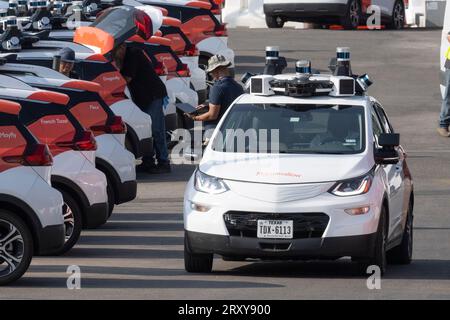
394,174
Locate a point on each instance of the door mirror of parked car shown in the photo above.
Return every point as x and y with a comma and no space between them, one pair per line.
387,154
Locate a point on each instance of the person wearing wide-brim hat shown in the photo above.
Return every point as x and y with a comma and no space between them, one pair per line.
224,91
67,63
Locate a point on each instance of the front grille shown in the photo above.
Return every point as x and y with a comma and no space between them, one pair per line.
306,224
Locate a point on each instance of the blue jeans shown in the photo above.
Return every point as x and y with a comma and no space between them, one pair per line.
444,119
155,111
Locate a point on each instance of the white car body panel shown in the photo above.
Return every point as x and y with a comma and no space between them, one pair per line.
217,45
74,166
113,152
180,87
198,75
34,191
134,116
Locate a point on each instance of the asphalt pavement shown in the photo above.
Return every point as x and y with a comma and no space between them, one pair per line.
138,254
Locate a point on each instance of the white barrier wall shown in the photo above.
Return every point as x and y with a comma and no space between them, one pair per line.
248,13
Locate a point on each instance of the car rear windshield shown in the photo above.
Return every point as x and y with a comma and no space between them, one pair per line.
292,128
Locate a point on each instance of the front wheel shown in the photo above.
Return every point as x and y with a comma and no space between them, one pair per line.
196,263
16,247
353,16
72,221
275,22
402,254
397,20
378,257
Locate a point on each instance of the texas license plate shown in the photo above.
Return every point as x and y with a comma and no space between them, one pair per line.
275,229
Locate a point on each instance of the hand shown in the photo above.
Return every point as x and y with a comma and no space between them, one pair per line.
190,116
200,106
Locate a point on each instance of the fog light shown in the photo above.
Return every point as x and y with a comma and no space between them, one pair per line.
199,207
357,211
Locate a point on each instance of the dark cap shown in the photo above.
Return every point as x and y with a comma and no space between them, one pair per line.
67,55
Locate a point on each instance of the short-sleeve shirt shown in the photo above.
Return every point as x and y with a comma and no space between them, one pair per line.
145,85
223,93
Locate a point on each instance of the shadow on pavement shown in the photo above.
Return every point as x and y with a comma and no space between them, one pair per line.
179,173
110,253
130,240
417,270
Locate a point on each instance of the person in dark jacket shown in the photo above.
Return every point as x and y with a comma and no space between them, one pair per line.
149,93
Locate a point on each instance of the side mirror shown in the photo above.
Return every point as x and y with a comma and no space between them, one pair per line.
389,140
387,154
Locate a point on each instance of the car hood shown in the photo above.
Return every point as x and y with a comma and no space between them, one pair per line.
283,169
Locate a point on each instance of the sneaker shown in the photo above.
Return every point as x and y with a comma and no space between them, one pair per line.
160,168
443,132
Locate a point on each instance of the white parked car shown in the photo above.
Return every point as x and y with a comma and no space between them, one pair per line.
31,220
349,13
90,109
331,181
74,174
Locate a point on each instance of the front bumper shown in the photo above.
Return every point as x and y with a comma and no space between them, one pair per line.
314,248
96,215
50,239
127,192
306,10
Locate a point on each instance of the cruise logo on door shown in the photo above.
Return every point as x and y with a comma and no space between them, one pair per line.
54,121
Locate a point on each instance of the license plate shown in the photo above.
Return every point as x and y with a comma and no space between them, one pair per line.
275,229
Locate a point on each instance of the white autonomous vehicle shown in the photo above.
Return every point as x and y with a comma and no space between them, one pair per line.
319,174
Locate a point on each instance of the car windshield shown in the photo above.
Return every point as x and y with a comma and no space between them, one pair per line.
292,128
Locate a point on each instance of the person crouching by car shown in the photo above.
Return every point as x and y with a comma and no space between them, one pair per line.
67,63
444,118
224,91
149,93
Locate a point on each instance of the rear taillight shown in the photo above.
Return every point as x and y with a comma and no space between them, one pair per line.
84,142
115,126
217,11
184,71
221,31
36,155
160,69
191,50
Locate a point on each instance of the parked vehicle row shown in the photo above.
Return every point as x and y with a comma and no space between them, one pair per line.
348,13
73,143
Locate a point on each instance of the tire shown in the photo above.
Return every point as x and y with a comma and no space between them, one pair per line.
353,16
402,254
21,248
397,19
129,145
196,263
378,257
111,197
73,221
274,22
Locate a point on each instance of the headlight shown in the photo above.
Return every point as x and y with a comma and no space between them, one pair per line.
208,184
353,187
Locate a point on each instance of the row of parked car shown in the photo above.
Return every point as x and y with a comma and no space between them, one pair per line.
68,147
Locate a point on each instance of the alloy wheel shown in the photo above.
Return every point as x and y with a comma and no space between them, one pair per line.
354,13
11,248
398,16
69,221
